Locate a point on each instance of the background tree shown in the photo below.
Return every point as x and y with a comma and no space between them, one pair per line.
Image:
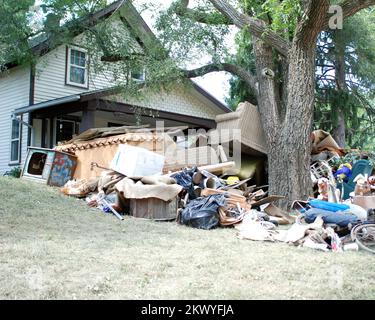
284,36
346,81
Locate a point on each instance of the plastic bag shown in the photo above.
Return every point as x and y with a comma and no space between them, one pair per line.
185,179
202,213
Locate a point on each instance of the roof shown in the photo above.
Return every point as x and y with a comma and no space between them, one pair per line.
144,34
97,94
42,44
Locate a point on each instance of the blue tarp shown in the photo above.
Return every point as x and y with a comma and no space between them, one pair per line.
329,206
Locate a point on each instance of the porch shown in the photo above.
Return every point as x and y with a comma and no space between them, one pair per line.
59,119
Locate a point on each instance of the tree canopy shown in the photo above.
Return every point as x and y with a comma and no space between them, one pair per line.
346,80
355,101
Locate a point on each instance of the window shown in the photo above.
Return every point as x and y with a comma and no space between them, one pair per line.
15,145
65,129
77,67
138,75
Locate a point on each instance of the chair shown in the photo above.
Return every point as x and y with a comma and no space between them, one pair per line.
360,167
247,119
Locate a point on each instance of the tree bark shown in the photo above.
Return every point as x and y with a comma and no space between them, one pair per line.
288,136
297,125
339,133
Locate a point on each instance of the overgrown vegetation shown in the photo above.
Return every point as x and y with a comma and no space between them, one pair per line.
15,172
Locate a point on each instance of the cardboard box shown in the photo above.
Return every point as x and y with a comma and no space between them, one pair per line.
137,162
153,208
366,202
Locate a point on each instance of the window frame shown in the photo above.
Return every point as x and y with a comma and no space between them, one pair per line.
69,64
19,139
138,80
62,119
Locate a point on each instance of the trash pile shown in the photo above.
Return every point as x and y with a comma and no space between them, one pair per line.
344,194
209,201
137,179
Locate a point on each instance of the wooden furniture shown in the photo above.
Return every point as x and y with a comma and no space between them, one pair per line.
247,119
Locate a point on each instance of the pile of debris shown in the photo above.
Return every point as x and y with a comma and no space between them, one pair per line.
144,173
344,196
209,200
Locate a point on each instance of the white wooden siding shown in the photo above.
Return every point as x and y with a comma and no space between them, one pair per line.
51,68
14,93
50,78
182,100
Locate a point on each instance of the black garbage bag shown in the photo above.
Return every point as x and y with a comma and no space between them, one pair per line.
202,213
185,180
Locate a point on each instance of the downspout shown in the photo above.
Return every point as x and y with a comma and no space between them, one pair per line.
31,102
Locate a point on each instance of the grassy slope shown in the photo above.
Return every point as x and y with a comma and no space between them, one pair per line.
54,247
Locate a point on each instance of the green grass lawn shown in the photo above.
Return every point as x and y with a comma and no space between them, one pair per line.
55,247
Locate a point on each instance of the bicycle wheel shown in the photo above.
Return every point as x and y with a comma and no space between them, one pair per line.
364,236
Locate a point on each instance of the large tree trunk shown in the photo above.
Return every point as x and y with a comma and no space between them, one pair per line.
339,133
297,125
288,136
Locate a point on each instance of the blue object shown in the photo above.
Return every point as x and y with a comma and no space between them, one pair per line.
328,206
344,170
360,167
106,209
338,218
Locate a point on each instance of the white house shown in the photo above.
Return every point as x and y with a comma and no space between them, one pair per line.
61,95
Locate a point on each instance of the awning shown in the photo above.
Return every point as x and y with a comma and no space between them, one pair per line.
46,104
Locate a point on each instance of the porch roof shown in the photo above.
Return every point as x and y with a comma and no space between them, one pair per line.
81,101
94,101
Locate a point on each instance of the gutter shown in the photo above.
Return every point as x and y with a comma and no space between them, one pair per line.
46,104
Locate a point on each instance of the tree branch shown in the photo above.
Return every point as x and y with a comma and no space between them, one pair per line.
248,77
256,26
351,7
232,16
107,57
313,20
213,18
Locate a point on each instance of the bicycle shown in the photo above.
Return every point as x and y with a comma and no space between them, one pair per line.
364,235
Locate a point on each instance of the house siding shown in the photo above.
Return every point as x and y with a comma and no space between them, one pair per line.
51,68
50,78
14,93
182,100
